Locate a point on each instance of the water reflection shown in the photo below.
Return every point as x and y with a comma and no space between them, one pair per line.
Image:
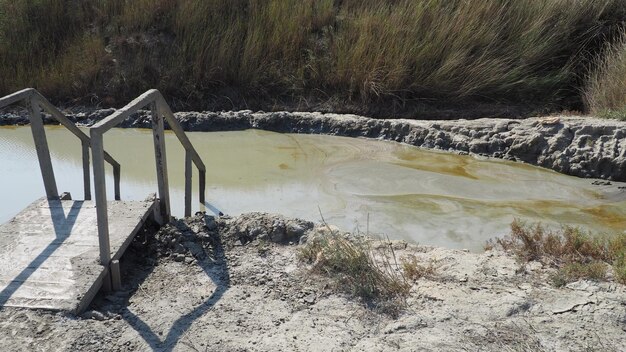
427,197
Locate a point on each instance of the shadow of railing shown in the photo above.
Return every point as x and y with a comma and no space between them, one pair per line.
213,208
63,226
216,268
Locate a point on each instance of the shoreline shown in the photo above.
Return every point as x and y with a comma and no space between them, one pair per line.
578,146
236,284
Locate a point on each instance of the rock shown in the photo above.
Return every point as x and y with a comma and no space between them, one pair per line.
568,303
583,285
266,227
310,298
550,120
601,183
295,230
196,250
211,225
95,315
533,266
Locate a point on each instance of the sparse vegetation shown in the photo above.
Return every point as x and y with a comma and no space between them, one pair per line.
363,56
413,270
593,270
606,91
576,254
367,273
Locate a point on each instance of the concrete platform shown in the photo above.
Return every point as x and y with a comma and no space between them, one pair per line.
49,256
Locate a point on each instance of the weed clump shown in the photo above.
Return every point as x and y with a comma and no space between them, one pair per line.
413,270
594,270
358,269
576,254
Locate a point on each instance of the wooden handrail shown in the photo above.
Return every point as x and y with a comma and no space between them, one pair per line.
160,112
35,101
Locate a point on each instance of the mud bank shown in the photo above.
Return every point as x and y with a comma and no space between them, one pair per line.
577,146
236,284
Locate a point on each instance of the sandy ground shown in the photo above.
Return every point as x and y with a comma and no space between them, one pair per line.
226,285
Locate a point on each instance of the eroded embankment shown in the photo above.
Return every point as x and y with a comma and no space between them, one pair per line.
578,146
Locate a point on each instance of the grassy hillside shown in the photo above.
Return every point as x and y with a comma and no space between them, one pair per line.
368,56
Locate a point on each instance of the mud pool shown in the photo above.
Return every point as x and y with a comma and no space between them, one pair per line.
361,185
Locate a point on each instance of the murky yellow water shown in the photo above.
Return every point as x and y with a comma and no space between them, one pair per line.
423,196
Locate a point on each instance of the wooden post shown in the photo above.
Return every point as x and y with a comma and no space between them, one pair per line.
161,162
97,149
86,177
116,180
188,175
184,140
202,177
43,153
116,276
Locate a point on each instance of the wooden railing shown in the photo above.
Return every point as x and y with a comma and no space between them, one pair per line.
34,102
160,112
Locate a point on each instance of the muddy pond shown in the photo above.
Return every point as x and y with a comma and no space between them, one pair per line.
372,186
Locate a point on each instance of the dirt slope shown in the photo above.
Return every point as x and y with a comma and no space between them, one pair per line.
236,284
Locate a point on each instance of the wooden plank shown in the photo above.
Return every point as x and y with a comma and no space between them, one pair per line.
27,93
108,158
59,268
39,100
184,140
161,162
59,116
43,154
123,113
97,150
178,131
24,94
119,247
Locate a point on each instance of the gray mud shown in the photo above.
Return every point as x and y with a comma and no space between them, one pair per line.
236,284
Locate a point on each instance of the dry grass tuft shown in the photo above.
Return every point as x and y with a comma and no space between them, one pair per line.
576,254
605,93
413,270
358,269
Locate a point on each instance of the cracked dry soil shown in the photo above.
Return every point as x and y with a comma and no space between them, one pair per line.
236,284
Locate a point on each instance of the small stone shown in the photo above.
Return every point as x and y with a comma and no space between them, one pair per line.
95,315
310,298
